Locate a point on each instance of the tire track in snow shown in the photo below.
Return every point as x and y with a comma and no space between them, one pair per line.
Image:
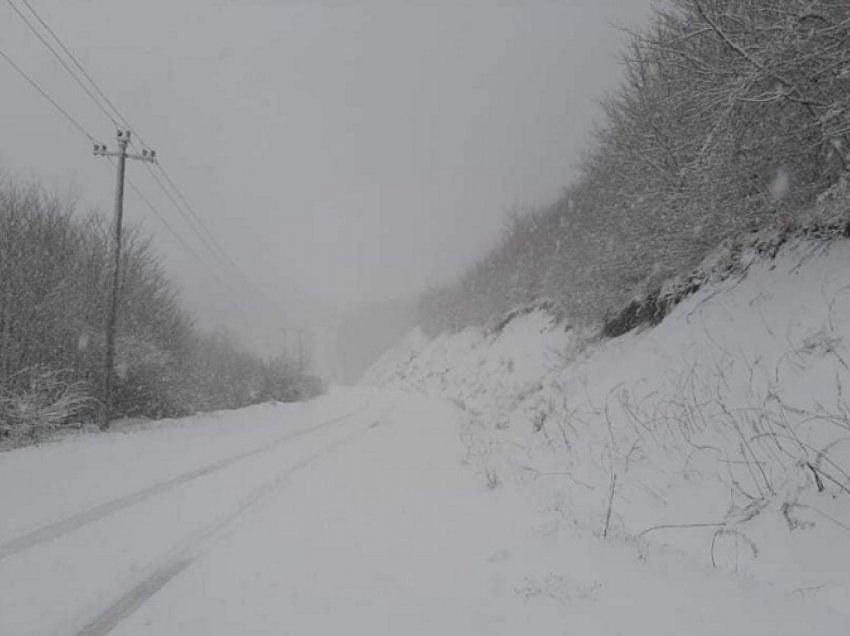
184,554
74,522
135,598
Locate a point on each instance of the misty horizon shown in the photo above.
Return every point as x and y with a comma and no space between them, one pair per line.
342,154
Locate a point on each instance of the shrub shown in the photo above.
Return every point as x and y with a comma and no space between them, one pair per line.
39,402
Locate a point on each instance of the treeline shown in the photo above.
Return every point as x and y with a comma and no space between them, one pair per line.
54,283
733,114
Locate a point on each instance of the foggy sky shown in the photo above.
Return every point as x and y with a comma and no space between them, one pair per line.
339,151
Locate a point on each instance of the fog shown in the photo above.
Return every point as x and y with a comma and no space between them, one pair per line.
342,153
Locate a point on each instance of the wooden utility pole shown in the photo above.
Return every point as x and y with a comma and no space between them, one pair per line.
112,311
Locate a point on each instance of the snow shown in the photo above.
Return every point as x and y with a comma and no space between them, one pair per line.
710,423
77,564
480,509
780,186
371,525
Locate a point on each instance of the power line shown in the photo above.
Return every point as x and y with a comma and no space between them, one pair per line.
199,228
47,96
59,58
196,216
207,237
182,213
138,192
76,124
210,241
79,127
83,70
211,236
215,257
203,232
89,93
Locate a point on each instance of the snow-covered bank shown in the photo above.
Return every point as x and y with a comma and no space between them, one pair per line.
723,432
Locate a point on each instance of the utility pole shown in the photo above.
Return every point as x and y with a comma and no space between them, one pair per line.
112,311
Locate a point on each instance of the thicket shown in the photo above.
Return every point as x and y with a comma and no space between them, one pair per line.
54,280
732,115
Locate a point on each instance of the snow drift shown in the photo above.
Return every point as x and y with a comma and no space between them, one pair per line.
723,432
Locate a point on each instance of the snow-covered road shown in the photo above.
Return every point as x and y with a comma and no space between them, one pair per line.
354,514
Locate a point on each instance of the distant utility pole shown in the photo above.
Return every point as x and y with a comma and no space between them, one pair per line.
112,315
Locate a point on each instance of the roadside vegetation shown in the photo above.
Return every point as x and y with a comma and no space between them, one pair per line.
732,116
54,271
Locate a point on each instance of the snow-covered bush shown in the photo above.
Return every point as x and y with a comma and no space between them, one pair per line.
40,401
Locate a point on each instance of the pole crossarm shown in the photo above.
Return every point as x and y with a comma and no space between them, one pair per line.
145,155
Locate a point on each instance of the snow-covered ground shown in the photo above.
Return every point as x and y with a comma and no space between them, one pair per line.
358,513
722,434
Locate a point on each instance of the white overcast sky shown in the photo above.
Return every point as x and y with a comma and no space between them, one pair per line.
339,151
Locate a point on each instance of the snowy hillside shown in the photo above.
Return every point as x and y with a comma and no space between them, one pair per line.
723,432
